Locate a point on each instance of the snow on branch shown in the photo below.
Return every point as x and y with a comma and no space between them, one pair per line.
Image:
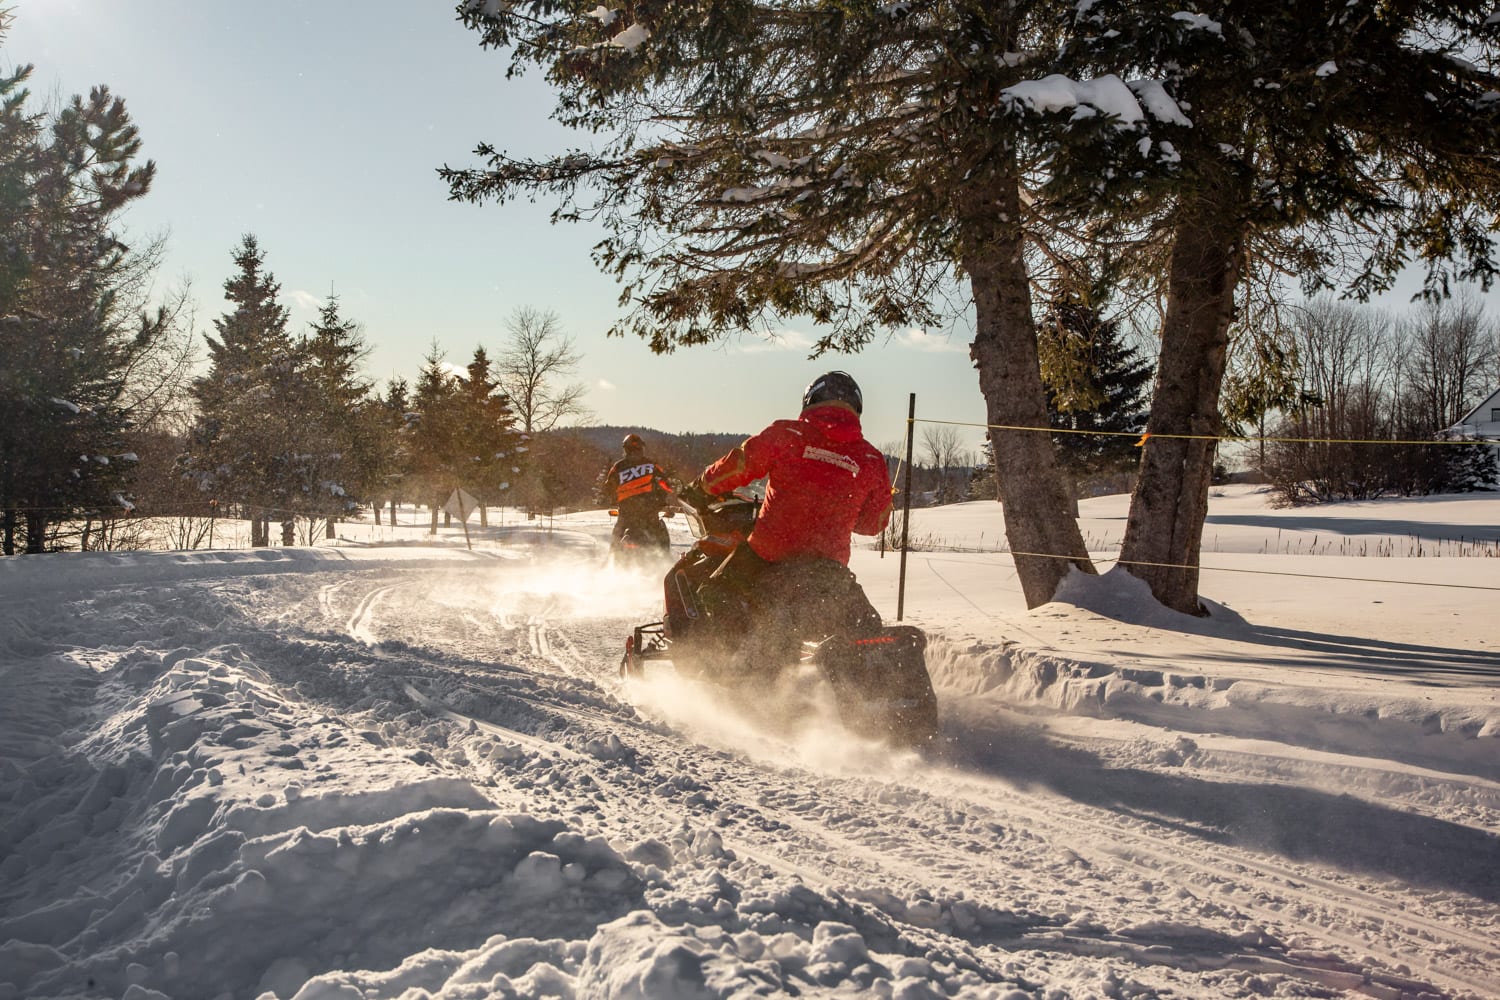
1199,22
1108,95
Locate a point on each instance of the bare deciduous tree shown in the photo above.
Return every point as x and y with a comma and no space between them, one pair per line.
532,370
942,447
1444,350
158,380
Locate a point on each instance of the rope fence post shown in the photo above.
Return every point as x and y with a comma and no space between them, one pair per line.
911,422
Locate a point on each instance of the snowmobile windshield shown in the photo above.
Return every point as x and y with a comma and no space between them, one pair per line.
694,520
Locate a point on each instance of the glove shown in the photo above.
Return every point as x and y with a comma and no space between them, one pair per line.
695,496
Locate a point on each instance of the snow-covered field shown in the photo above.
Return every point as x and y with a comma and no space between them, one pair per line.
393,767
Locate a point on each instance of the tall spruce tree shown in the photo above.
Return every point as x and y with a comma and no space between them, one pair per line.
488,438
434,428
1262,379
390,417
249,402
353,443
67,338
1098,388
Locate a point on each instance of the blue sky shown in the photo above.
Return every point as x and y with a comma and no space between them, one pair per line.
319,127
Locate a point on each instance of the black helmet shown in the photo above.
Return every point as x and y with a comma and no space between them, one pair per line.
633,442
834,387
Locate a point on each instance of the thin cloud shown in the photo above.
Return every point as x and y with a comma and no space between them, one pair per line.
605,384
778,340
306,300
920,340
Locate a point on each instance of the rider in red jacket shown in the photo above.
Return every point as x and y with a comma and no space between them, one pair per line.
823,481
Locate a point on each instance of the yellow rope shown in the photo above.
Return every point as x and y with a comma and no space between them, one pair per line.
1260,572
1209,437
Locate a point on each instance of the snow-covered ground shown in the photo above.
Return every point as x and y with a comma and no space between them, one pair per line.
394,767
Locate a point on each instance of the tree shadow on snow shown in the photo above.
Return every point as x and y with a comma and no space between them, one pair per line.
1400,534
1301,824
1440,665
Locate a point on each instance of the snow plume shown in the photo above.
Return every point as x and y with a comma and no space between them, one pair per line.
560,588
792,720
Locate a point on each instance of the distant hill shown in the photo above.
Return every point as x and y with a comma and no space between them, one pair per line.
567,464
685,455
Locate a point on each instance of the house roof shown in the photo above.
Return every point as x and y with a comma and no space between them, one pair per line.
1493,399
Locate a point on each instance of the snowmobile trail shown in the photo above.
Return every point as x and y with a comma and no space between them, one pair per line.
1211,901
1011,843
872,865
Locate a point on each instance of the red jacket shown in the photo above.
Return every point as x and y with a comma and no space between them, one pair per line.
826,481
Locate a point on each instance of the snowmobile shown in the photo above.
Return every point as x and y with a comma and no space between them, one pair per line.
878,679
636,549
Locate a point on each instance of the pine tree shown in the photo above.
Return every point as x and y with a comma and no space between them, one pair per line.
1263,380
336,347
1096,383
488,440
354,443
435,434
273,412
390,417
982,482
67,338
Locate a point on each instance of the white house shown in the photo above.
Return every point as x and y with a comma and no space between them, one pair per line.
1482,422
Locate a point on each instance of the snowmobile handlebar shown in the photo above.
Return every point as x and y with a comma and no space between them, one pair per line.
732,513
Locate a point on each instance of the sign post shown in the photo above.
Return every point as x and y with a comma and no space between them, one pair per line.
461,505
911,426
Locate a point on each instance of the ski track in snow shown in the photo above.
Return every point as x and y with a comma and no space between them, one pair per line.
1340,916
1013,849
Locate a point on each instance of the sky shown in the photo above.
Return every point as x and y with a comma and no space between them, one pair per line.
392,767
321,132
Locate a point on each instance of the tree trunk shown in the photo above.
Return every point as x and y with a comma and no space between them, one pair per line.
328,531
432,529
36,532
1045,540
1164,532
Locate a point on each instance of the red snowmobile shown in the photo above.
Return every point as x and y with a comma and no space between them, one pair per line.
878,679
